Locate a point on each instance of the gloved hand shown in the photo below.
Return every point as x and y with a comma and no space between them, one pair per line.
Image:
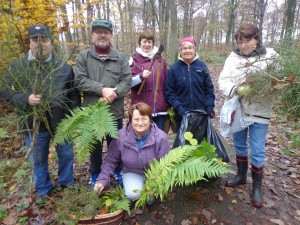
244,90
210,111
181,111
98,188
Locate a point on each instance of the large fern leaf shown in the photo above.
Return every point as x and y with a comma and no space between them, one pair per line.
181,166
85,127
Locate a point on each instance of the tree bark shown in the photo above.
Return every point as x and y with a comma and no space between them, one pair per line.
289,15
173,34
231,19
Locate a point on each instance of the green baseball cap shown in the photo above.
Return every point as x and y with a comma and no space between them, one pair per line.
102,23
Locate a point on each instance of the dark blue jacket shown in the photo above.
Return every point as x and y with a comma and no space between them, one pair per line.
189,87
57,82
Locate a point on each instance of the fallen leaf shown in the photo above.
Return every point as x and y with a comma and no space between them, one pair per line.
186,222
219,197
228,191
12,188
277,221
194,196
10,220
269,203
138,211
230,208
274,191
195,220
234,201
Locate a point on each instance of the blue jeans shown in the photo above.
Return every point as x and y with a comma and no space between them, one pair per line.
159,121
96,155
257,139
39,160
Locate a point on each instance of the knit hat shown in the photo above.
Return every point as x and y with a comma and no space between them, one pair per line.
187,39
102,23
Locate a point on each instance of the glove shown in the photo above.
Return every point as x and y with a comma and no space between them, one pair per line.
98,188
181,111
244,90
210,111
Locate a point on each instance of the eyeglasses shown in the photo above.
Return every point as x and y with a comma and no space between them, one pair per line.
105,32
243,42
188,48
143,120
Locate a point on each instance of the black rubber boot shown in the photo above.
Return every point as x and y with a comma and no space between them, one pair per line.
257,175
241,177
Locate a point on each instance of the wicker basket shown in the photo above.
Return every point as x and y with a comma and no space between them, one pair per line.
114,218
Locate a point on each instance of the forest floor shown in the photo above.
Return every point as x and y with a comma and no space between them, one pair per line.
203,203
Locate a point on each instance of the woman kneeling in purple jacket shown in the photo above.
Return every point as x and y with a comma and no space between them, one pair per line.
140,142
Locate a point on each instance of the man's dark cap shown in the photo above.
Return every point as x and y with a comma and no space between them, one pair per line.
36,30
102,23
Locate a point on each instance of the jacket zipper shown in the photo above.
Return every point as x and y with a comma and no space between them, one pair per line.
190,79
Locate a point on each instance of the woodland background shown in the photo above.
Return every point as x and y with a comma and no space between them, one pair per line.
210,22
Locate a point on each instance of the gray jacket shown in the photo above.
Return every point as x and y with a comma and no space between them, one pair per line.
92,74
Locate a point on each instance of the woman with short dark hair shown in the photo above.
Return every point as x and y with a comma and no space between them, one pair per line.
248,58
139,143
153,79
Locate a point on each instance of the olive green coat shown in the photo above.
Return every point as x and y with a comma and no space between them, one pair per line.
92,74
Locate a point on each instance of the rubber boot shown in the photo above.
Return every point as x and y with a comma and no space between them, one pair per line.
241,177
257,175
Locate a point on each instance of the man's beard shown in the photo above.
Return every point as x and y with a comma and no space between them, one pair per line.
101,44
42,57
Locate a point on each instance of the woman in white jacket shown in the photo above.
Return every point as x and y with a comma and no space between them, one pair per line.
249,57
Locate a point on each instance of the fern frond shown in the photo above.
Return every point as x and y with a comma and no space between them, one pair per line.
196,169
83,144
180,166
85,127
66,127
102,126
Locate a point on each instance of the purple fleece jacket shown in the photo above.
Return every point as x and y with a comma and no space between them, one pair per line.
125,150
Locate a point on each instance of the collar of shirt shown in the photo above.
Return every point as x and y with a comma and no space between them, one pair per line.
141,141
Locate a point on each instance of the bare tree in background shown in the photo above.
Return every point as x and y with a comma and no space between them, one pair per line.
289,22
231,19
173,33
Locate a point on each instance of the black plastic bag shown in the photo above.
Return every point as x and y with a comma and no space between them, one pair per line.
199,124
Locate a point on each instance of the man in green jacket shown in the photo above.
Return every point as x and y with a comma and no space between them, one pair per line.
102,74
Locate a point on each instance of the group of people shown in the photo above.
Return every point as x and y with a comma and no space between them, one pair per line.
103,74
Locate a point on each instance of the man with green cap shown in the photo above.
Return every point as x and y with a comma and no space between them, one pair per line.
102,74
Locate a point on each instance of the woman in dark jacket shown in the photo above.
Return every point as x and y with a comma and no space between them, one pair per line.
189,85
152,92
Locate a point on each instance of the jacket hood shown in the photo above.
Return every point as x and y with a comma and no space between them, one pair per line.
149,54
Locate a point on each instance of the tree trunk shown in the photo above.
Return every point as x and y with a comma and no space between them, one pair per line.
185,27
231,19
89,10
145,15
289,15
173,33
65,28
262,9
